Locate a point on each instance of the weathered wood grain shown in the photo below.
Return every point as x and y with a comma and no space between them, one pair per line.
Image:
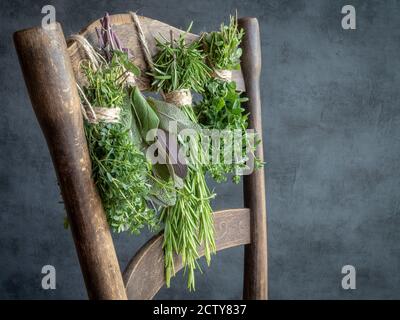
255,284
144,275
126,30
52,88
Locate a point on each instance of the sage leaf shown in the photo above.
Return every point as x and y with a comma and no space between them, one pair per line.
168,112
146,118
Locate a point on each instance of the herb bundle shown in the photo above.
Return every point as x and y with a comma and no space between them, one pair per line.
221,107
179,65
222,47
189,223
120,170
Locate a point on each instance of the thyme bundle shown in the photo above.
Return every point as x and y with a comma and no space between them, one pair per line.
120,169
222,46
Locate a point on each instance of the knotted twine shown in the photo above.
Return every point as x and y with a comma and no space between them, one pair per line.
180,98
224,75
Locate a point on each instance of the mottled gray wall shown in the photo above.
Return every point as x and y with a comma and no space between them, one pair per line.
332,143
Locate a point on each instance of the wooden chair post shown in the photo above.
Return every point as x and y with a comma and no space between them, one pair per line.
255,267
48,74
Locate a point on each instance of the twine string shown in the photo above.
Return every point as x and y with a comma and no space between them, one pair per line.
224,75
98,114
94,57
142,40
180,98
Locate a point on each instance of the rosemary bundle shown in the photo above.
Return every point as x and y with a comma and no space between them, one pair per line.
189,223
179,65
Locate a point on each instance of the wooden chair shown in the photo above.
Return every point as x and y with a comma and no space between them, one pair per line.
51,69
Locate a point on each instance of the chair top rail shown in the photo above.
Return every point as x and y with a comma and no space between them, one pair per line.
126,30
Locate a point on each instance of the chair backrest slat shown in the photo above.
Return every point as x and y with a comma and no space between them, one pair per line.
144,275
52,89
255,285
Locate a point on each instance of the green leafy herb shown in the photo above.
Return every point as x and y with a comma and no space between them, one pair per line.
146,118
221,109
120,169
168,113
122,58
222,47
121,175
221,105
189,223
179,65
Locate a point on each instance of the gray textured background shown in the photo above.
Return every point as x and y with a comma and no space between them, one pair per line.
332,144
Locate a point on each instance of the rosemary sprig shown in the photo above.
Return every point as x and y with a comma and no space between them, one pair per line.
189,223
179,65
